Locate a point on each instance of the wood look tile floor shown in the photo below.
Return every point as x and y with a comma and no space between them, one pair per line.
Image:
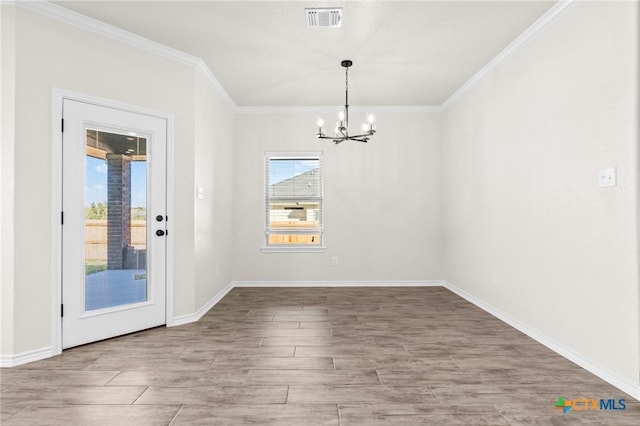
313,356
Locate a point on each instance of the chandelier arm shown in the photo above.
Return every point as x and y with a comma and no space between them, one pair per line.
355,138
364,135
346,138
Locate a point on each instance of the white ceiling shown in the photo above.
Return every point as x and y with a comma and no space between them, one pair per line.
404,52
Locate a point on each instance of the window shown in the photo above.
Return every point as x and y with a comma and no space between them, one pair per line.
293,201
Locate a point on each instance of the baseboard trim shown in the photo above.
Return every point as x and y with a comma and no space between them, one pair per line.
624,385
7,361
427,283
609,377
189,318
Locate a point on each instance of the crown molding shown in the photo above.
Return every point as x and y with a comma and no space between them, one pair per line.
86,23
542,24
70,17
331,109
214,83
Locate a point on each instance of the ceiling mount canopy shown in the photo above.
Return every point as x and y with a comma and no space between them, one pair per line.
342,126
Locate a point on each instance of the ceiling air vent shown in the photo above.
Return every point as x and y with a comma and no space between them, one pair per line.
324,17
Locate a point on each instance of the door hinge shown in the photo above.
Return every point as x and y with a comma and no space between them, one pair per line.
62,126
61,218
61,310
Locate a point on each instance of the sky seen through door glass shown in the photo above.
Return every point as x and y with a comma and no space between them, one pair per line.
96,175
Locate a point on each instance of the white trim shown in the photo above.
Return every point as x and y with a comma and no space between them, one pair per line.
95,26
425,283
57,97
293,249
7,361
405,109
169,271
298,155
110,103
183,319
214,83
189,318
56,226
609,377
621,383
542,24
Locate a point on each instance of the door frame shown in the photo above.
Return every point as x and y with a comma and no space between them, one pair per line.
57,98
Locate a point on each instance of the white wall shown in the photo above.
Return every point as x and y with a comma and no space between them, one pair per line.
7,146
382,214
50,54
214,173
503,182
521,155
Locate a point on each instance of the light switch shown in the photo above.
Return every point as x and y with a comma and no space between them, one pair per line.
199,192
607,178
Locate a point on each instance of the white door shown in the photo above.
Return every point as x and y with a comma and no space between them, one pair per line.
114,222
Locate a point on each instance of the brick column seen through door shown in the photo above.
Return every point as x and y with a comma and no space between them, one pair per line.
118,209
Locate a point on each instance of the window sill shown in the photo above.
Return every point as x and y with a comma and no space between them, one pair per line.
296,249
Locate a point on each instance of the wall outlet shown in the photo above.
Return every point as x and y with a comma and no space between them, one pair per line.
334,261
494,279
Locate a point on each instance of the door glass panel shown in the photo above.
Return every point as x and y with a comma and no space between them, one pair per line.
115,219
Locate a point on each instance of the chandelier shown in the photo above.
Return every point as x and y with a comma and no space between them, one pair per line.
342,126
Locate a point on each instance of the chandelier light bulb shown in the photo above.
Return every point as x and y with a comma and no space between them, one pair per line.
370,118
365,127
341,116
320,128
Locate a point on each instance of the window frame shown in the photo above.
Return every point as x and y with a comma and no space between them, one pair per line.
268,230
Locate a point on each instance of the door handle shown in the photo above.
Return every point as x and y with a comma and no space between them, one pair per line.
160,232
